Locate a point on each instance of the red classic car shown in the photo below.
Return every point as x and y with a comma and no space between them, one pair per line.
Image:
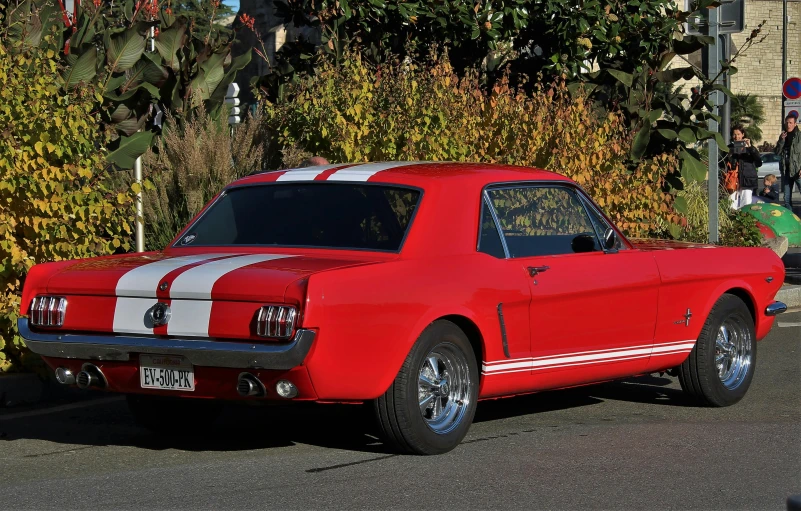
419,287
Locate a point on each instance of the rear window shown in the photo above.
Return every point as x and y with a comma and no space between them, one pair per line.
352,216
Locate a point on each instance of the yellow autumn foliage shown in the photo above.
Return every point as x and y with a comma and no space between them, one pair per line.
352,113
56,201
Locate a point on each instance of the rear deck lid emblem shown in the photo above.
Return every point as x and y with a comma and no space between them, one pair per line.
160,314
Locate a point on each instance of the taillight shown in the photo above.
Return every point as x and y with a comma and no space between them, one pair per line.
48,311
276,321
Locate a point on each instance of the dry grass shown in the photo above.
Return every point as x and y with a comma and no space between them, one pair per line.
190,164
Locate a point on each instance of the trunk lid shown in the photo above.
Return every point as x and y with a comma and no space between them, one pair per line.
208,295
208,276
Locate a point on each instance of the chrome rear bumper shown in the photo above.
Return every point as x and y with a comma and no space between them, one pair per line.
242,355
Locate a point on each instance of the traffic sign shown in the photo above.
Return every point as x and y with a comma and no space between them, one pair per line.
791,112
792,88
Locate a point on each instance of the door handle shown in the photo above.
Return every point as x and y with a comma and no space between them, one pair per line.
536,270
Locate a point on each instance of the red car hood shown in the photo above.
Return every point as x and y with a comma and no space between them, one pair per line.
210,276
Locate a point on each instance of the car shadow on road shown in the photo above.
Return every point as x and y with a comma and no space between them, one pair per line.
335,426
647,389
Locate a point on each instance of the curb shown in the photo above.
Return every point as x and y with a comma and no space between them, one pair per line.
790,295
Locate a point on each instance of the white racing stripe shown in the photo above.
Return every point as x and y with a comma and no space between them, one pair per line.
196,283
307,173
144,280
586,357
368,170
131,315
190,318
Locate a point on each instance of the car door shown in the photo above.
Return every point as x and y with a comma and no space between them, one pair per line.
593,311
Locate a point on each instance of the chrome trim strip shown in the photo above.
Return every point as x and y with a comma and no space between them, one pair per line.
488,203
503,331
199,352
775,309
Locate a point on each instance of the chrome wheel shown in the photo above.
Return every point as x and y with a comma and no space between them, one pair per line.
443,388
733,352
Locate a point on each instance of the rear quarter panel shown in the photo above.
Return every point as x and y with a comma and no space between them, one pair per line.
695,278
368,318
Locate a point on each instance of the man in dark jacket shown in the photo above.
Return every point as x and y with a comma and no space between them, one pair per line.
747,158
789,150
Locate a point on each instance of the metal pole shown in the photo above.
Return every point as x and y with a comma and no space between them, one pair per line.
725,124
784,51
712,177
140,217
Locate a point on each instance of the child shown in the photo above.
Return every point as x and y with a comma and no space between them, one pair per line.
770,192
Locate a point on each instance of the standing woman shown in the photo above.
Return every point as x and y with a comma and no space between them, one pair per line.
742,152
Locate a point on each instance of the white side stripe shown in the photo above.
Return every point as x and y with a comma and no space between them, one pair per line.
306,174
368,170
190,318
587,357
196,283
144,280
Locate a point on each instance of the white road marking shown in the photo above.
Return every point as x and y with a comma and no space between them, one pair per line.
62,408
783,324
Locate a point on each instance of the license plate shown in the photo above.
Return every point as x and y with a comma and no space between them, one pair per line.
166,372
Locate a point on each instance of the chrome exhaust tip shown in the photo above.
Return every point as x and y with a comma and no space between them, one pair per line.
248,385
90,376
64,376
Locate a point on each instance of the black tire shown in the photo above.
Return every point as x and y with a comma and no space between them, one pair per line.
170,416
399,411
700,375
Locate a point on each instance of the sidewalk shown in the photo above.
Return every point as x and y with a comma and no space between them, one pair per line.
790,294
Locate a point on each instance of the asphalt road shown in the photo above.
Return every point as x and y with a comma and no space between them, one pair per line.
633,444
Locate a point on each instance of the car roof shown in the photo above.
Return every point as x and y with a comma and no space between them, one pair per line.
409,173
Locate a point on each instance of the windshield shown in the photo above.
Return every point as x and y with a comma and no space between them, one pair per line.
324,215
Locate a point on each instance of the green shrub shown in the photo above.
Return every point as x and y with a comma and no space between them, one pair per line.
408,111
56,200
735,227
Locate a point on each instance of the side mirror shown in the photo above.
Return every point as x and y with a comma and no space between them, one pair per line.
583,243
610,238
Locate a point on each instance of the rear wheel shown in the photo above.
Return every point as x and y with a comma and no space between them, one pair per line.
172,416
721,366
430,405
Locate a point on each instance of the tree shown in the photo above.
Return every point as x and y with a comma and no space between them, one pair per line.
205,16
132,84
748,111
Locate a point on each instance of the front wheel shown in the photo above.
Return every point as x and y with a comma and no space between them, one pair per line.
430,405
721,366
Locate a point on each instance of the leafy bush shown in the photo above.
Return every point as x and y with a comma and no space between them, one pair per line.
190,165
56,200
736,228
352,113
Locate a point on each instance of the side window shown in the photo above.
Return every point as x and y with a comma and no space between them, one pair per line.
543,220
601,226
489,241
